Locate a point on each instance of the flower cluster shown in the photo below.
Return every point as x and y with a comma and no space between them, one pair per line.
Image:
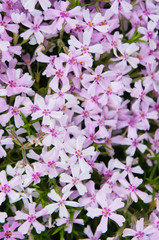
79,107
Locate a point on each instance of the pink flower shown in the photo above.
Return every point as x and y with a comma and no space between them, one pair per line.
107,211
30,219
6,188
75,180
61,202
30,4
141,232
85,46
4,141
9,233
68,223
36,28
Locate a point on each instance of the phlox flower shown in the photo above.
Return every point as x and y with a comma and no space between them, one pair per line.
75,61
4,141
30,4
13,111
135,142
36,28
154,141
9,233
128,169
107,211
60,202
131,189
85,46
94,22
140,93
30,219
46,109
90,234
59,74
75,180
54,135
61,15
79,154
89,198
144,113
141,232
17,83
126,6
149,34
127,50
3,215
34,174
6,188
68,223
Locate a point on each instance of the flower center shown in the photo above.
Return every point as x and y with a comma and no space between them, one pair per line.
31,218
53,132
139,235
12,83
64,14
51,164
84,48
14,111
75,180
78,154
8,234
106,212
35,27
59,73
135,142
6,188
46,112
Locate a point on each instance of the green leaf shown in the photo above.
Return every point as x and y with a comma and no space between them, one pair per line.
24,118
62,227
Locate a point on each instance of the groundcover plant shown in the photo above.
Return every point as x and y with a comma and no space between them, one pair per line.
79,106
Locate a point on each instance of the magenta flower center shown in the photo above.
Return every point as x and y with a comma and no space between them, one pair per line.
139,235
84,48
135,142
132,188
35,176
98,78
46,112
75,180
64,14
61,202
93,198
6,188
12,83
106,212
91,24
72,61
142,95
34,108
53,132
59,73
128,169
85,114
51,60
35,27
8,234
78,153
149,34
51,164
31,218
2,23
14,111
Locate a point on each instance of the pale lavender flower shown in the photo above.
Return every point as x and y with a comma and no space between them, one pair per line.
30,219
60,202
141,231
107,211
